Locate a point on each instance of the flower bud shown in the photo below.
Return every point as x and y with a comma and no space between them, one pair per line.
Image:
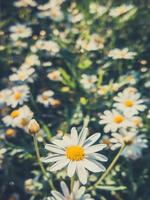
33,127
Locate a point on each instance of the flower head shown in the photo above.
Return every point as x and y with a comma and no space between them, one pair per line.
114,120
78,153
78,193
129,102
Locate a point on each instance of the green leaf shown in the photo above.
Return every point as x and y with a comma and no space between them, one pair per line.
85,63
66,78
111,188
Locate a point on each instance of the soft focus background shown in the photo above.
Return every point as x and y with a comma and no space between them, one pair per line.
83,33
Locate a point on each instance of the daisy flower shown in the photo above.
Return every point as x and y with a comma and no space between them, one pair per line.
20,31
88,80
25,3
18,95
115,12
134,143
50,46
95,8
23,74
78,193
129,102
45,98
121,54
19,117
54,75
114,120
4,95
78,153
31,60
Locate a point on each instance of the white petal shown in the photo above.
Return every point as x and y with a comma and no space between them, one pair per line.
95,148
82,173
59,165
58,195
71,168
91,166
65,189
82,136
74,135
54,148
99,157
92,139
53,159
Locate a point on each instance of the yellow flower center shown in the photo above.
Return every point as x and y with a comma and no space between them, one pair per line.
118,119
75,153
45,97
10,132
129,103
15,113
17,95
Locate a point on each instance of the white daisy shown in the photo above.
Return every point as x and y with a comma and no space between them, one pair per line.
117,11
4,95
78,193
54,75
23,74
20,31
134,143
25,3
19,117
129,102
95,8
88,80
121,54
78,153
114,120
18,95
50,46
31,60
55,13
137,121
45,98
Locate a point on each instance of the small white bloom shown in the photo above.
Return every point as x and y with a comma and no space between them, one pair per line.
45,98
88,81
129,103
117,11
114,120
31,60
4,95
121,54
25,3
19,117
78,153
52,9
20,31
18,95
23,74
97,9
134,143
78,193
54,75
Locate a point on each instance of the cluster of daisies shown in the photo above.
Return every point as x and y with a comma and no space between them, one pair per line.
79,154
124,121
63,59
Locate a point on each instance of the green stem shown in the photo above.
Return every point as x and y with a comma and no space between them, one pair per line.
41,164
108,169
72,183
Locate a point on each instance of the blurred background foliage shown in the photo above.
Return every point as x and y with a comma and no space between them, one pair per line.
20,162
